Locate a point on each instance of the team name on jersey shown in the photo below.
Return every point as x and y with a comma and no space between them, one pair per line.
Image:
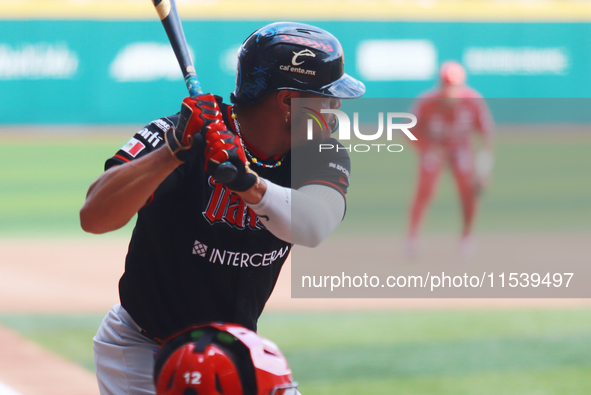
227,207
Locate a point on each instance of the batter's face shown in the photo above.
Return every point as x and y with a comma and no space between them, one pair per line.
299,122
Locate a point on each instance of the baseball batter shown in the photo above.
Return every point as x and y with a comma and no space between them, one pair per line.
448,116
202,250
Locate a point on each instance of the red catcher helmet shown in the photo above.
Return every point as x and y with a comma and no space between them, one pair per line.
452,73
221,359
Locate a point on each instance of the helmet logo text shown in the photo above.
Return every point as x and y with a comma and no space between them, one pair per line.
305,52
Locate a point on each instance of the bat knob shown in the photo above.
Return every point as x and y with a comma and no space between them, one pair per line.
225,173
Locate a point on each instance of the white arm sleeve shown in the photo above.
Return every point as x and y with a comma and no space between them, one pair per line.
318,210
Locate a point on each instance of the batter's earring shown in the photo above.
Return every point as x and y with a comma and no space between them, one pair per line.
287,114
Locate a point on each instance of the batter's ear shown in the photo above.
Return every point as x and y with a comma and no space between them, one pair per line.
284,97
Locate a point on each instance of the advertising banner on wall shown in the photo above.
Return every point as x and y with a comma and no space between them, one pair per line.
113,72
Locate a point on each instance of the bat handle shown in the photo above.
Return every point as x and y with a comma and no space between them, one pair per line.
225,173
193,85
169,16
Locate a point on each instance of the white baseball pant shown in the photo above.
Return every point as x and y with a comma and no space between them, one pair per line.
123,358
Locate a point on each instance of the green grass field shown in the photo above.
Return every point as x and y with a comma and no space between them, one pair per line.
541,183
518,352
41,197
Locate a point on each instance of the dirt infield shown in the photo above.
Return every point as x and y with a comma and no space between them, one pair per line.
81,275
30,370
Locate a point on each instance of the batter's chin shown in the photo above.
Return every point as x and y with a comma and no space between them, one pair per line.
332,122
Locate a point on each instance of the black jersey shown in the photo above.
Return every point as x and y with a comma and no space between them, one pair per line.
198,253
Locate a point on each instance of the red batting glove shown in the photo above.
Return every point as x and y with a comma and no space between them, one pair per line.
224,146
196,114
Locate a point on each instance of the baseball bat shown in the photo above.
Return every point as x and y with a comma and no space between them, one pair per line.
169,16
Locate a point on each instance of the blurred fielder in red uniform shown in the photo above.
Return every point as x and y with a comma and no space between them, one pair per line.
448,116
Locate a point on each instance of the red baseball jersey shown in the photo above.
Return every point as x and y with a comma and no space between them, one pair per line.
450,122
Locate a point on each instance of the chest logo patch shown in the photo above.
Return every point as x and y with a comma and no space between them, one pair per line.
199,249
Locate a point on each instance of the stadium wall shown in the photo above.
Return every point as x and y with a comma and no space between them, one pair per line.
64,70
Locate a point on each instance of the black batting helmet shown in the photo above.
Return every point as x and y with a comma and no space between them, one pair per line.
295,56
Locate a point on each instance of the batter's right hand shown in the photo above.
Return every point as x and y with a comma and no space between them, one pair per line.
223,146
196,115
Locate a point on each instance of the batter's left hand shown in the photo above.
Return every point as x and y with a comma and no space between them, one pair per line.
195,115
224,146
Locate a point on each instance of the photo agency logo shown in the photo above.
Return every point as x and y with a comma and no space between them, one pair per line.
395,122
